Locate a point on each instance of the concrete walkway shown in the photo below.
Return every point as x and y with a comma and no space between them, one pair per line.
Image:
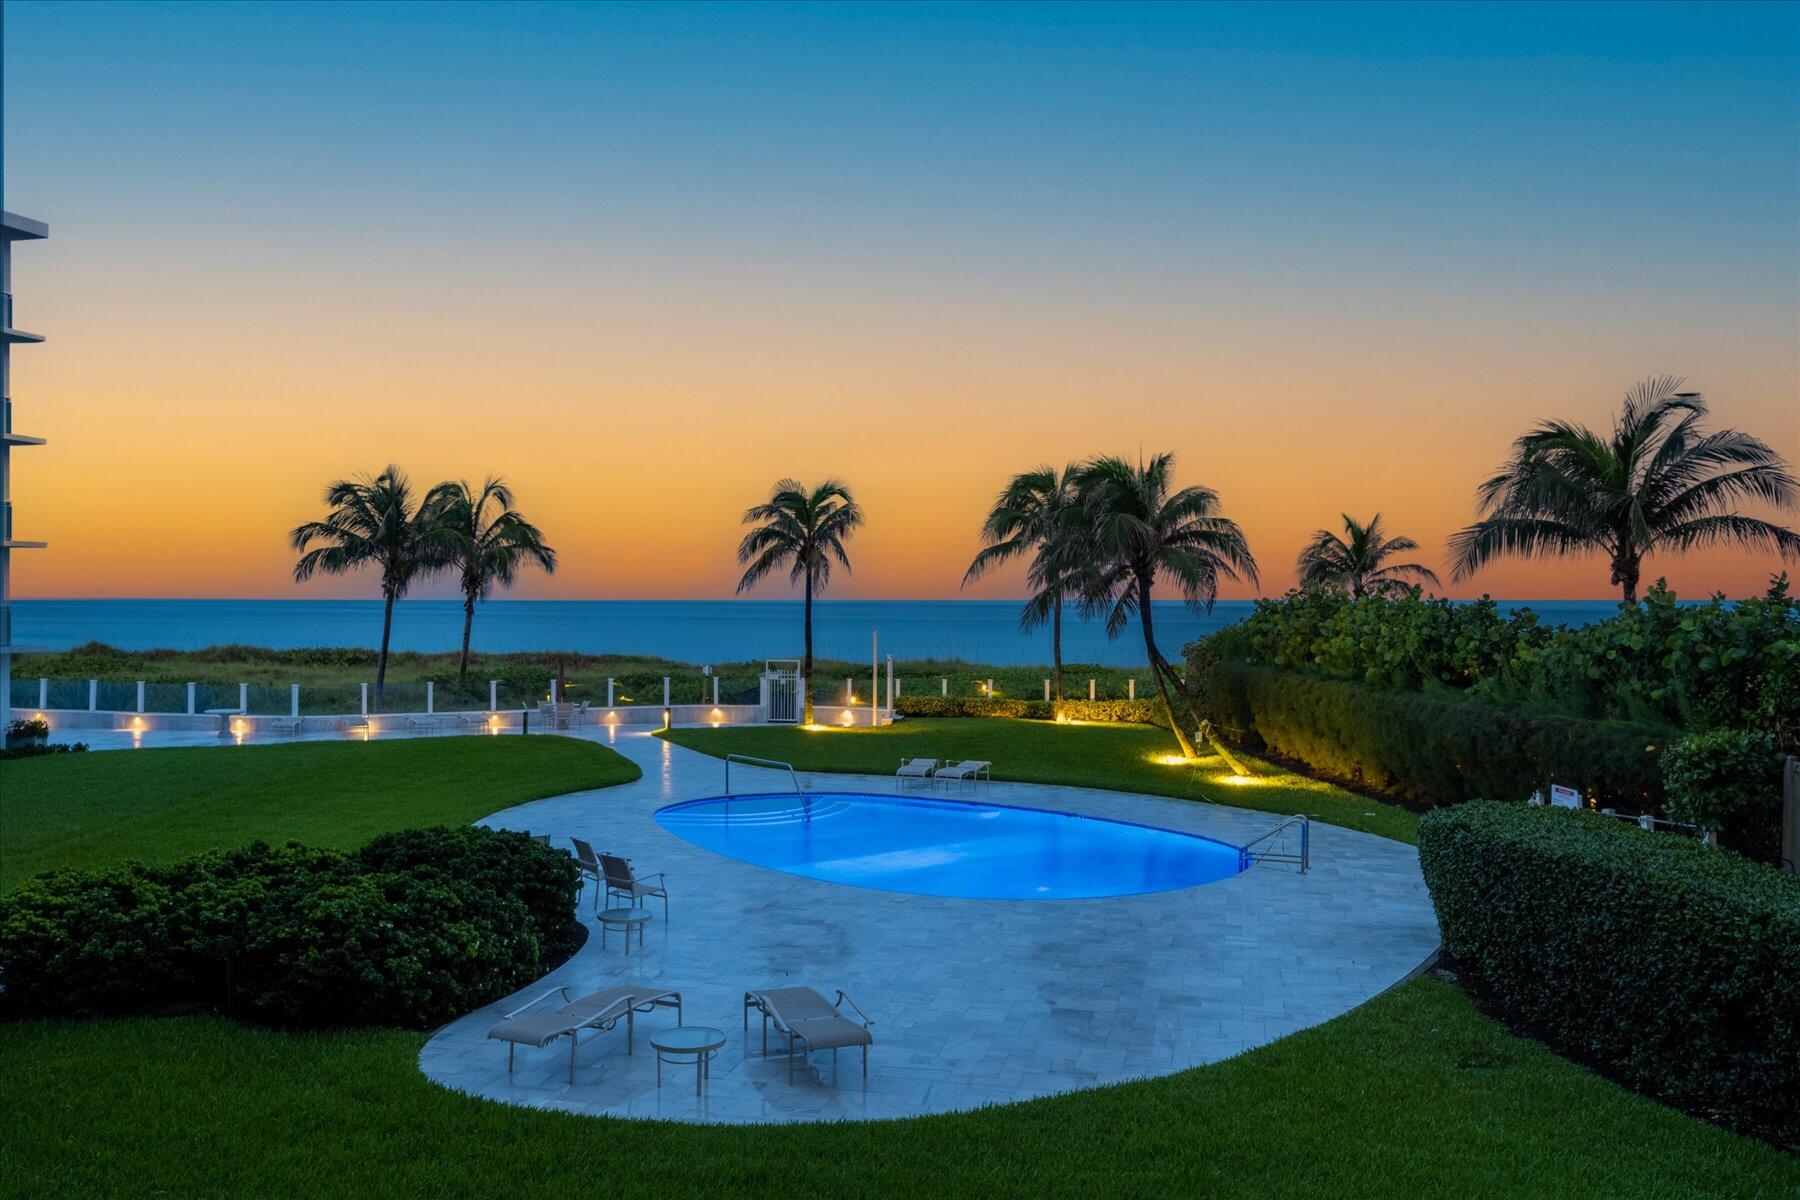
975,1001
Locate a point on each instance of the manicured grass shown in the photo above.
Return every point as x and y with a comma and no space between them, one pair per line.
1121,757
103,807
1414,1094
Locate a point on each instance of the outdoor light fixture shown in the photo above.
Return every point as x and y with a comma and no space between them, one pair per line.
668,717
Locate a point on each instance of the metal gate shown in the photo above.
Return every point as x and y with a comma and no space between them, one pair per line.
781,678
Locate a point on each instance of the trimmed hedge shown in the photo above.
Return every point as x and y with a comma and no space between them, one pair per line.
1673,968
414,929
1432,748
964,706
1132,712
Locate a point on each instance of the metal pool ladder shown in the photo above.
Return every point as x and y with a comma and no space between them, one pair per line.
1280,853
759,762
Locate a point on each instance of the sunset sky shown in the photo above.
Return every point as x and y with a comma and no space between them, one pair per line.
643,261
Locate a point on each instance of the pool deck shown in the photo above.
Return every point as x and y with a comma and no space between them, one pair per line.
975,1001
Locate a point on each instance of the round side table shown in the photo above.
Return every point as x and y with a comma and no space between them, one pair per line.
626,919
684,1042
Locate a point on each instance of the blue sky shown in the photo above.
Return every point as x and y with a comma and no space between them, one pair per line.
1074,228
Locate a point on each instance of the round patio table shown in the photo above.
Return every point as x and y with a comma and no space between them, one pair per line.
626,919
698,1042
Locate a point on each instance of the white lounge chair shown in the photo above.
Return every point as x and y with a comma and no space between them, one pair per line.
969,770
914,768
289,725
810,1022
599,1011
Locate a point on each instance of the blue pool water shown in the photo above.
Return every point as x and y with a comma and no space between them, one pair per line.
938,847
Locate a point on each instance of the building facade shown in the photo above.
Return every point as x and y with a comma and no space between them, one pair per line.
15,229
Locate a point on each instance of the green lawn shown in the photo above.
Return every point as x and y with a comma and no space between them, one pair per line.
1414,1093
103,807
1122,757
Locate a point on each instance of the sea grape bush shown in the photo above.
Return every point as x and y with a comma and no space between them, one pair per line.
1703,666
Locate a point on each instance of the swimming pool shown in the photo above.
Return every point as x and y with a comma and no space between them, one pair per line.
937,847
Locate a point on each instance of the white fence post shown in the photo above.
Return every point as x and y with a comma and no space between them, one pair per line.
43,693
1046,691
553,691
93,695
294,700
190,699
715,691
610,685
243,697
493,694
1090,689
665,691
1131,689
430,697
990,689
140,698
365,699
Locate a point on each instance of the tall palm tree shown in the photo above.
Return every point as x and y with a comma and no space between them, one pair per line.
1135,529
1659,483
802,530
373,522
1029,517
1358,561
486,542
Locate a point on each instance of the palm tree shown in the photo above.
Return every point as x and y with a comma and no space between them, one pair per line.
1358,561
1659,482
802,530
486,542
1029,517
373,521
1135,529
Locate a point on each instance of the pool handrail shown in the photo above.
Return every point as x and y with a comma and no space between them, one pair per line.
1303,858
760,762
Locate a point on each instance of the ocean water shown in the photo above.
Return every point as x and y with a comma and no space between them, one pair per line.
695,631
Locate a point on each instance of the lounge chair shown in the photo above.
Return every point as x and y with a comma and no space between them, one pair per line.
289,725
354,725
425,724
914,768
969,770
478,720
589,862
622,881
598,1011
810,1022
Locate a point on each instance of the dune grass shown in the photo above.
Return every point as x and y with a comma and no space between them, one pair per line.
1129,758
103,807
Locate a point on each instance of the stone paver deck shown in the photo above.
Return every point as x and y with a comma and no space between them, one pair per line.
975,1001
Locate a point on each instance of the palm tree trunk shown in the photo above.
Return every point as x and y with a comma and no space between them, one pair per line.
1626,569
806,658
1156,673
1056,645
462,665
387,630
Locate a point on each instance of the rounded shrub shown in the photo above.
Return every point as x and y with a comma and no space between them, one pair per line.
412,930
1728,780
1669,966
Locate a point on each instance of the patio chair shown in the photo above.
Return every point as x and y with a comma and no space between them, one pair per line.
622,881
810,1022
589,862
914,768
970,770
599,1011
